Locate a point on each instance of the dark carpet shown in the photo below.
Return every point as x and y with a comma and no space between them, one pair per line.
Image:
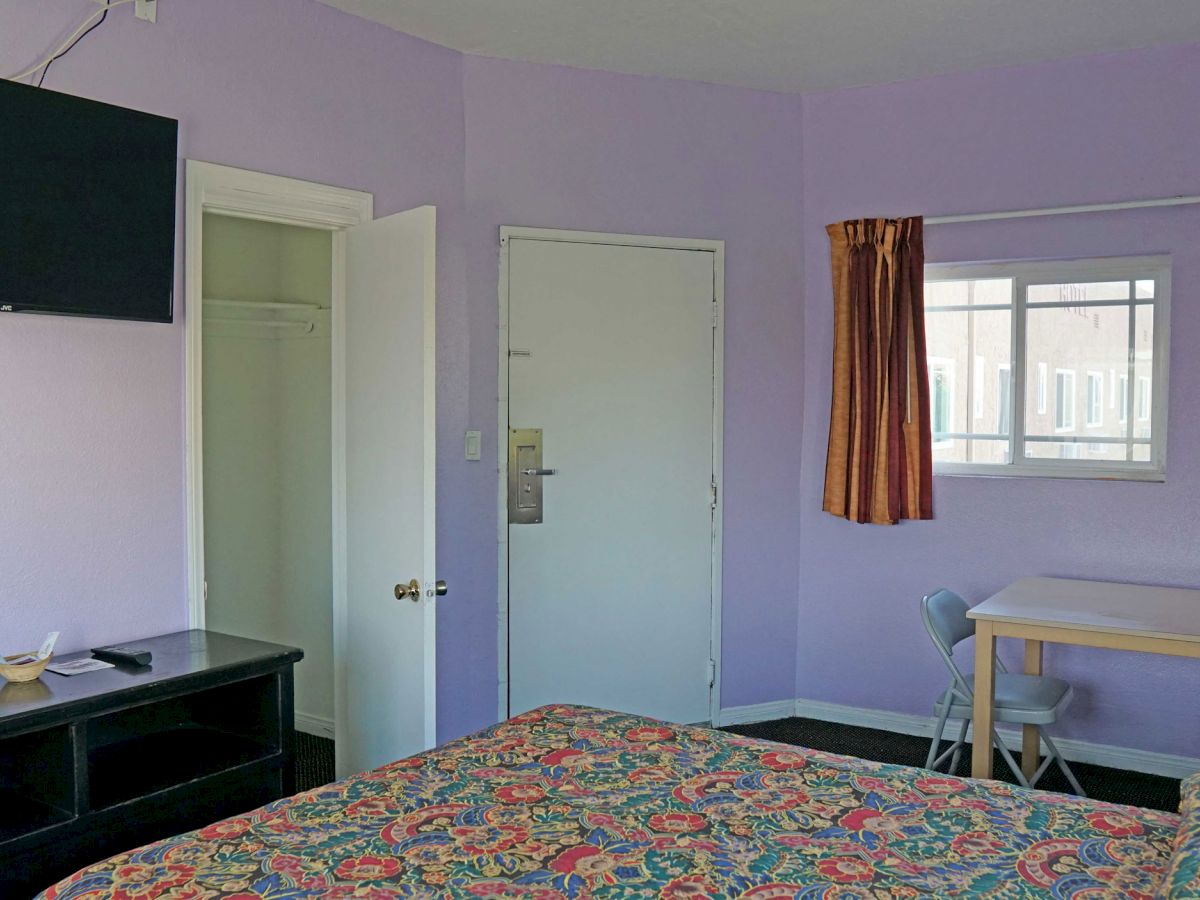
1100,782
314,761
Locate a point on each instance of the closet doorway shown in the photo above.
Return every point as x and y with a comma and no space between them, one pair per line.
267,460
310,447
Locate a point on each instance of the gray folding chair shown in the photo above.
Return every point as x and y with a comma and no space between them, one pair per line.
1020,699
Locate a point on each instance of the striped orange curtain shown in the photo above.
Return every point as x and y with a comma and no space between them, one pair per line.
880,463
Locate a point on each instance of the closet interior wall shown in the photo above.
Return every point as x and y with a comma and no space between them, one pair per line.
267,444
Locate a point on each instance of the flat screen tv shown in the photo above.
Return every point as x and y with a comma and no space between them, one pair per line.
87,207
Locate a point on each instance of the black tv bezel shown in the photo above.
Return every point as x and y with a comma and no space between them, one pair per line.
86,106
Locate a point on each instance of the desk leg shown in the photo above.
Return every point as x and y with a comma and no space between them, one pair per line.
985,692
1031,748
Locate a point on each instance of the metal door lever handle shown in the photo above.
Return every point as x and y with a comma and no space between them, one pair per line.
539,471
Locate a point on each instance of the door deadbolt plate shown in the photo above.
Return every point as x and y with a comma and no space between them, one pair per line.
524,484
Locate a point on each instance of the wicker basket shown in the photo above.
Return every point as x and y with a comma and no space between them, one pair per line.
26,672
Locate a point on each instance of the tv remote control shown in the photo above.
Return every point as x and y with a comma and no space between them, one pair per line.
129,656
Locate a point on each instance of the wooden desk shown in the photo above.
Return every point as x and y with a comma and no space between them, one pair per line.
1066,611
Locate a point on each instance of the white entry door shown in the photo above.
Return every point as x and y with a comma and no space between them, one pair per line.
385,675
611,356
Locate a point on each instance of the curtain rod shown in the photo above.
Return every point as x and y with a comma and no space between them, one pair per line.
1062,210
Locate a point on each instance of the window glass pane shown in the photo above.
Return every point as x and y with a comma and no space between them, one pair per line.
1057,450
1095,399
945,293
941,395
1105,451
972,450
1078,292
1145,289
1004,398
977,386
1065,402
966,350
1143,370
1084,450
969,292
1079,347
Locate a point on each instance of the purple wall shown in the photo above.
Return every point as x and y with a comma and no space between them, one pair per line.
1089,130
91,412
557,147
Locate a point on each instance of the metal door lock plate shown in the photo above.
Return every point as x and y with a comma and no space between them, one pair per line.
525,474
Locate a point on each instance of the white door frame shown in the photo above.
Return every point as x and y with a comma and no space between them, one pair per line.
717,248
268,198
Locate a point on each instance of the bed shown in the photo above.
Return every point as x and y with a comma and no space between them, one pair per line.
573,802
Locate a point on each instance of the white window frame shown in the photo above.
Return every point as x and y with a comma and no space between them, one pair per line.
1024,274
1098,409
948,364
1042,377
1123,398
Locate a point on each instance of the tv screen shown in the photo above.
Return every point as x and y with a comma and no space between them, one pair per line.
87,207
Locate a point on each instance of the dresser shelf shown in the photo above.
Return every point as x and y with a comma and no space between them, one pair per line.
101,762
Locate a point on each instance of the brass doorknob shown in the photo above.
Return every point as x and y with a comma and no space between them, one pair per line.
410,591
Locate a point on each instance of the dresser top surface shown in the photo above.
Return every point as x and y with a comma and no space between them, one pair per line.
175,656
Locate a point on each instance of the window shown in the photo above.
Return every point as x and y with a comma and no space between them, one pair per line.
941,398
1064,400
1095,399
1080,321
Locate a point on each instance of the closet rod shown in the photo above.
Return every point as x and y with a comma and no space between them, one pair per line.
308,327
280,305
1063,210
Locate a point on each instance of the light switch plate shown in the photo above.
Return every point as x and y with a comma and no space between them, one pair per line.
146,9
474,444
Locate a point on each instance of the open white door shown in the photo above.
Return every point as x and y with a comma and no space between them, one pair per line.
386,668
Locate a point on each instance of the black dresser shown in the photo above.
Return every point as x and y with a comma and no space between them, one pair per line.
102,762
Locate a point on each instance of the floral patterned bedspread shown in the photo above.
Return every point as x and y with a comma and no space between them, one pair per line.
574,802
1183,878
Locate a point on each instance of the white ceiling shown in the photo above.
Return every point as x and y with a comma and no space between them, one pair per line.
787,45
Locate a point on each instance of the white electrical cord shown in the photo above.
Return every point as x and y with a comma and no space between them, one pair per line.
87,23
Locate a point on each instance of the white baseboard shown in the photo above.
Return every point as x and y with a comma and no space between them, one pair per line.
317,725
759,712
922,726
